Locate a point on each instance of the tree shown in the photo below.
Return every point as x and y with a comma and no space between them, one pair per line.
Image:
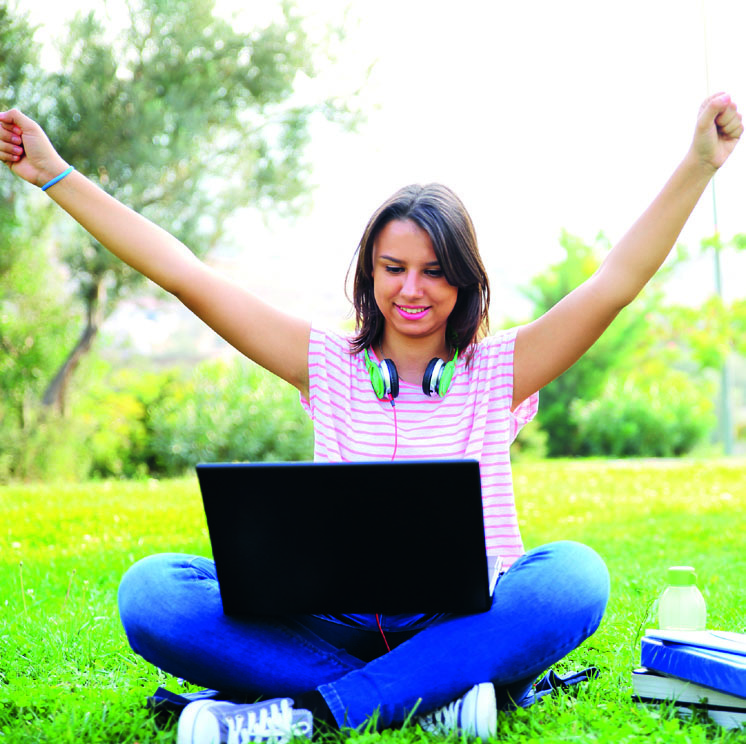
585,380
35,320
726,405
709,333
18,79
18,57
182,119
30,316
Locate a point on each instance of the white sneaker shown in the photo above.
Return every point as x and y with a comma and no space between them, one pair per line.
474,714
220,722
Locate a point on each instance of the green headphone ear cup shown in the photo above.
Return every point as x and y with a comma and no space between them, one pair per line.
376,378
447,375
445,378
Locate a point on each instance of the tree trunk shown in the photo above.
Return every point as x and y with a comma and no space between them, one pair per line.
56,393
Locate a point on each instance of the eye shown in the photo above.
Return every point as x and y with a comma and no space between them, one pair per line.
394,269
435,273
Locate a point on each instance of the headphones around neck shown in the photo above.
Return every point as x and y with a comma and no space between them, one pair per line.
385,379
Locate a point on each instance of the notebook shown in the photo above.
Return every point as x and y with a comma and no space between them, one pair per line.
371,537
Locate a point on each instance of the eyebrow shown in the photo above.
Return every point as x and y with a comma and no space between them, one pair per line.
400,261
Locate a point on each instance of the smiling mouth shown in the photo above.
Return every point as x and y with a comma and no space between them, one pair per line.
412,312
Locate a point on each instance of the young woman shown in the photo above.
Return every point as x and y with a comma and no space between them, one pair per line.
420,378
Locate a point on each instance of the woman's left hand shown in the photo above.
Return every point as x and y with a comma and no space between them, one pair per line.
718,129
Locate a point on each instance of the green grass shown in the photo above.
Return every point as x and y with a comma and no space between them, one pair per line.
67,674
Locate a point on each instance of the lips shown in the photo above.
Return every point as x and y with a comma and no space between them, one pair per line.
412,313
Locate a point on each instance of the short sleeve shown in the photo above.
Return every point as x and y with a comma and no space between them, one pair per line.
523,414
501,348
320,345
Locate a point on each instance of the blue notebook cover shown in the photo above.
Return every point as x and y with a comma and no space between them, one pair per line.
717,640
719,669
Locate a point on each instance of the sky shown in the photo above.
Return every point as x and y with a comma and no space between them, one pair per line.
542,116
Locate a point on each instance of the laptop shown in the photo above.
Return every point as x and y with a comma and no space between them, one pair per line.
367,537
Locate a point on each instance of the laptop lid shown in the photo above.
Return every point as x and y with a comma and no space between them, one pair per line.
386,537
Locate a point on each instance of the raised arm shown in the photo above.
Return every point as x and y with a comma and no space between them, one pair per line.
551,344
273,339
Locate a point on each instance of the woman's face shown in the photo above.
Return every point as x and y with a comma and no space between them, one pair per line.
408,283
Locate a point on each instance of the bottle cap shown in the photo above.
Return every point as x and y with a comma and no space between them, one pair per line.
682,576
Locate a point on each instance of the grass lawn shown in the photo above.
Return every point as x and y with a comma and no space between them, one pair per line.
67,674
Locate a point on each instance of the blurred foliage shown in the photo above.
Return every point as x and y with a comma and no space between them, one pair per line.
19,59
655,412
36,322
133,424
586,379
228,412
643,388
707,334
125,399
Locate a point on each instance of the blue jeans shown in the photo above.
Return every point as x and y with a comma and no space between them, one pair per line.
544,606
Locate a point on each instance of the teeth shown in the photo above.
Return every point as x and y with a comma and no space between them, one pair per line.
412,310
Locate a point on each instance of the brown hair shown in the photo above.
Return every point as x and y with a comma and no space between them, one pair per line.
442,215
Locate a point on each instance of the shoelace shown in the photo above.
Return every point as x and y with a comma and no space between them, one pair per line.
275,723
445,718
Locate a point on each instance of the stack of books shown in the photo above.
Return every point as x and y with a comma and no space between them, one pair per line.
703,669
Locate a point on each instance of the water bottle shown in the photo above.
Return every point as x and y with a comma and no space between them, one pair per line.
682,606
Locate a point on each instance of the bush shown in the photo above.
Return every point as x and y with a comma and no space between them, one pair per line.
132,424
615,352
227,412
654,413
118,411
47,447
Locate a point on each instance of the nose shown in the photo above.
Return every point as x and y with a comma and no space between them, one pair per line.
411,286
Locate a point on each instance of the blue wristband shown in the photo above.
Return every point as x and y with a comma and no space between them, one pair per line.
58,178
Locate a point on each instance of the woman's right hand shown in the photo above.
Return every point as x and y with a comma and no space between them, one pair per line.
26,149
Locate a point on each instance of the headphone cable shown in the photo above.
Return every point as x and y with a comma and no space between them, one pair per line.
383,635
396,428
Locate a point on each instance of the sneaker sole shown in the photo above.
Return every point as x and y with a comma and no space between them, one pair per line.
187,721
484,702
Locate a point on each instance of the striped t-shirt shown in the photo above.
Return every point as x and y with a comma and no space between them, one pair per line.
473,421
